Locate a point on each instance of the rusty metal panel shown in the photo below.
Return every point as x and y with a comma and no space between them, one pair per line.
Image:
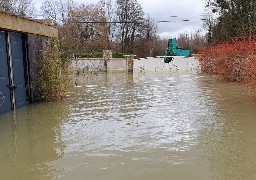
20,24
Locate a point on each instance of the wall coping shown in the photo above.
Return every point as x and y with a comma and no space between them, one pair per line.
85,59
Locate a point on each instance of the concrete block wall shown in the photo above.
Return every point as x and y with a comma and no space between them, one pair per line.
150,64
117,65
179,64
99,65
88,65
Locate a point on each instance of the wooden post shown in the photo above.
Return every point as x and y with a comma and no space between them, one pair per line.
130,59
107,55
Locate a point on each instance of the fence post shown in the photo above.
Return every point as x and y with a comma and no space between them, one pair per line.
130,59
107,55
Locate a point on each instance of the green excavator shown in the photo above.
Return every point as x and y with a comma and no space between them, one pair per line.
173,50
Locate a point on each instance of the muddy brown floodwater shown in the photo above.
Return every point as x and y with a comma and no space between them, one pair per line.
118,126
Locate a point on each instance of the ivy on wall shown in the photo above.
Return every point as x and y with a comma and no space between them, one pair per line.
53,76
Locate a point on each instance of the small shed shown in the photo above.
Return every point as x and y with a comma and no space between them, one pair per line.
21,43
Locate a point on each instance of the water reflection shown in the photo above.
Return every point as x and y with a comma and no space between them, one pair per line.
228,145
150,108
29,141
124,126
147,123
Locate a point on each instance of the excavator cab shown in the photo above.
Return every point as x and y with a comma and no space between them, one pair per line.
167,55
173,50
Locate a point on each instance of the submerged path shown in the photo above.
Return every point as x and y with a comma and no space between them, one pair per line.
142,127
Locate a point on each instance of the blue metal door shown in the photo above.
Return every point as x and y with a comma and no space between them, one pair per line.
12,72
5,99
17,66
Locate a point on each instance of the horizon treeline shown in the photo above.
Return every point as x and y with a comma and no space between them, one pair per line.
119,25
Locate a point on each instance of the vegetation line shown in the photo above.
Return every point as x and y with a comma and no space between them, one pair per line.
53,83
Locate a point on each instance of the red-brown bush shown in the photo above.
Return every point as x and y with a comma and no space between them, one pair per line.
234,61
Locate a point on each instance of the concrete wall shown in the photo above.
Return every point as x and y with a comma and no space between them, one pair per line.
117,65
88,65
84,65
178,64
150,64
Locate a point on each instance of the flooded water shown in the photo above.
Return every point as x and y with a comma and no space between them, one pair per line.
139,127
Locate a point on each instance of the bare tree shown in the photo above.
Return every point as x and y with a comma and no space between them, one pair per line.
183,41
107,10
6,5
18,7
85,30
130,12
193,41
146,38
56,10
86,27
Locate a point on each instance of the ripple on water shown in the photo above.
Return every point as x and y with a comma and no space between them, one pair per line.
148,114
118,126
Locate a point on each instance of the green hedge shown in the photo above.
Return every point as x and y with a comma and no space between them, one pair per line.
98,55
118,55
89,55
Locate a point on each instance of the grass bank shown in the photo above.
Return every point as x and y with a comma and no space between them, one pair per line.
233,61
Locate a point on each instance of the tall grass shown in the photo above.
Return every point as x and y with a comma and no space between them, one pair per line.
235,61
53,76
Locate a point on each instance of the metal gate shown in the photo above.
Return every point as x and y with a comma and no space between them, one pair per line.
5,101
12,73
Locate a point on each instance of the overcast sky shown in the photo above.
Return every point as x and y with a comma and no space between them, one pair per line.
163,9
185,10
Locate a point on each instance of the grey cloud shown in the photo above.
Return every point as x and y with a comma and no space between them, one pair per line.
183,9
